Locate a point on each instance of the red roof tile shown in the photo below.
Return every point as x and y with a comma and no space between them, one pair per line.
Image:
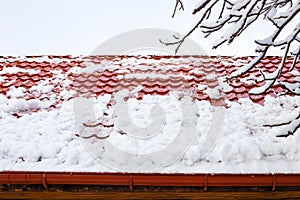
157,74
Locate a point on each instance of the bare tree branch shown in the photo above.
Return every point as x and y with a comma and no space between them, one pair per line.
178,2
180,42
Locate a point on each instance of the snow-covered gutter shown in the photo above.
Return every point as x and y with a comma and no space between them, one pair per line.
149,179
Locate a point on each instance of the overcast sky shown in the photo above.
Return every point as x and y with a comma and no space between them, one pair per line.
36,27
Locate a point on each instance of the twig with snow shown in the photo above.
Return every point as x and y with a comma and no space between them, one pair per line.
292,126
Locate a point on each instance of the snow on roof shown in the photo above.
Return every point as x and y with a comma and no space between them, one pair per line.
161,74
38,130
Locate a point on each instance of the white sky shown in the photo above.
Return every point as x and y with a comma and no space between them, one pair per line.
35,27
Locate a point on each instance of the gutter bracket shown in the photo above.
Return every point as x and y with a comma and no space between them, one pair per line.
8,178
205,183
45,181
274,183
130,182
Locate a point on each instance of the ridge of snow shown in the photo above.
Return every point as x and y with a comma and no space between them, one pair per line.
14,70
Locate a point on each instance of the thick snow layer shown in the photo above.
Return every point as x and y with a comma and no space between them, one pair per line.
47,140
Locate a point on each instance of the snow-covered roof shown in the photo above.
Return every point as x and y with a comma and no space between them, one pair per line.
38,131
43,77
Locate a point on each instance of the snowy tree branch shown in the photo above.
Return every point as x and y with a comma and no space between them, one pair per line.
239,16
234,17
291,126
265,44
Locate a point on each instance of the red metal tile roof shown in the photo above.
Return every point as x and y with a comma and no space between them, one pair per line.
157,74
